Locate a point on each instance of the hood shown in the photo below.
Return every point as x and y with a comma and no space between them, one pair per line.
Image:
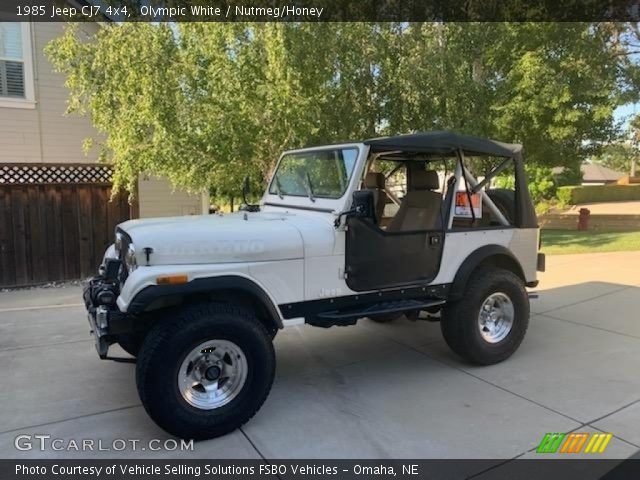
232,238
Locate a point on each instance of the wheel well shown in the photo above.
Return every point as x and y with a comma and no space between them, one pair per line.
235,290
245,298
238,297
503,261
490,255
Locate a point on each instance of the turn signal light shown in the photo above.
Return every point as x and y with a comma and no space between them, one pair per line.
172,279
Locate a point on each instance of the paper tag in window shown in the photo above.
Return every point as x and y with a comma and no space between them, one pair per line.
462,205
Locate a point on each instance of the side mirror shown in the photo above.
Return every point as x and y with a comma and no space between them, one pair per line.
364,204
246,189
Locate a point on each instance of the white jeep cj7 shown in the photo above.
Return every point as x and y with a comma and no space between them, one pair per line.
407,225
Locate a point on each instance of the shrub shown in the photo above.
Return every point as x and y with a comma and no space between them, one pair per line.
569,176
541,184
543,207
598,193
564,196
539,179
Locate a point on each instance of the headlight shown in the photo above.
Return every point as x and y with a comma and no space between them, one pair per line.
130,259
118,244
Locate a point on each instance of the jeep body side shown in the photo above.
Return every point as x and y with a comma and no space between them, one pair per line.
320,250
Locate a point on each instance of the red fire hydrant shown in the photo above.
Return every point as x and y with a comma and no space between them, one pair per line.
583,219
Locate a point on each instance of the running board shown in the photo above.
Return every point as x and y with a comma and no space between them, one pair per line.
351,316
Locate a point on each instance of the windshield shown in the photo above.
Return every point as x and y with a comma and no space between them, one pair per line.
319,173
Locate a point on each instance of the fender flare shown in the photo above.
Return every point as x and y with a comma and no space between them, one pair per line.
491,254
206,285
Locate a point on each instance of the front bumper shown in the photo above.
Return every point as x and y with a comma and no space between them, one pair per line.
106,321
100,333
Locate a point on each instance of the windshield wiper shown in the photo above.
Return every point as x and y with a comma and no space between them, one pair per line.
310,188
278,187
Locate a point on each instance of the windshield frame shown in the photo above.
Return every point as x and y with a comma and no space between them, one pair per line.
274,190
271,201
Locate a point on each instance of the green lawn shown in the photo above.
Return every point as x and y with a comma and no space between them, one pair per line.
559,242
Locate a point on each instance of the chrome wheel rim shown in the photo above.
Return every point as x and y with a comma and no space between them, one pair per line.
212,374
496,317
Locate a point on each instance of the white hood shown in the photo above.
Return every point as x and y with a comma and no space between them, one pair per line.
237,237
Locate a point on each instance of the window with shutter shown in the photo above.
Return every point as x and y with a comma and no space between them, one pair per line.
12,61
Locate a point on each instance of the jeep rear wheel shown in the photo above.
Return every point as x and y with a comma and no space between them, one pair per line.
488,324
205,370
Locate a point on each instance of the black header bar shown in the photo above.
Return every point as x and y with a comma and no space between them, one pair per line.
119,469
320,10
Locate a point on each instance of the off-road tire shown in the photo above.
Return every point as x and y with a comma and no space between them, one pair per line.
459,323
166,346
505,200
131,343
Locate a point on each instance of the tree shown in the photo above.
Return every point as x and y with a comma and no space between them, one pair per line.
206,103
616,156
634,128
622,155
551,86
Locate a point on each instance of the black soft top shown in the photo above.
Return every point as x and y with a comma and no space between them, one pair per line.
445,143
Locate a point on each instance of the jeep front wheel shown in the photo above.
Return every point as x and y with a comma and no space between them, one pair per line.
488,323
130,343
205,370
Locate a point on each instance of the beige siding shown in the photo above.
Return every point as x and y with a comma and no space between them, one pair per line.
45,134
157,199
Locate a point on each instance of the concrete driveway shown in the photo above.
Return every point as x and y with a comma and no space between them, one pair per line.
372,391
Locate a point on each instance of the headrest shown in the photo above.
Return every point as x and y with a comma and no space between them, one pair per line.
424,180
374,180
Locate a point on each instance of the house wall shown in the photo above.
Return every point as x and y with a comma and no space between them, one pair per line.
40,132
158,199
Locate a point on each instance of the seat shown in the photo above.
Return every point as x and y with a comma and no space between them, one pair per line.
375,182
420,209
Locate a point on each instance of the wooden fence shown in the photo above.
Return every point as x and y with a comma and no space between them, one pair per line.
55,221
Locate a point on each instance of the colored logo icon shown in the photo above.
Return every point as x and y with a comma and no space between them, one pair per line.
574,442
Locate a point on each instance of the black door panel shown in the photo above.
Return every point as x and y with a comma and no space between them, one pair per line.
377,259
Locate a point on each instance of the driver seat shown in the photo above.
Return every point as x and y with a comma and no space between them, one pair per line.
420,209
375,182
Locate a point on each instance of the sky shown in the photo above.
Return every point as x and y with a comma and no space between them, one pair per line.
624,112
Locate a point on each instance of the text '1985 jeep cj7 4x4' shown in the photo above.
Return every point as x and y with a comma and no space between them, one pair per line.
394,226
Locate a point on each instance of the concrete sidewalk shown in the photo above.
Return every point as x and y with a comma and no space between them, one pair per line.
373,390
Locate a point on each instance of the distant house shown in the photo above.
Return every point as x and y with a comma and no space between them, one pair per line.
594,174
34,129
